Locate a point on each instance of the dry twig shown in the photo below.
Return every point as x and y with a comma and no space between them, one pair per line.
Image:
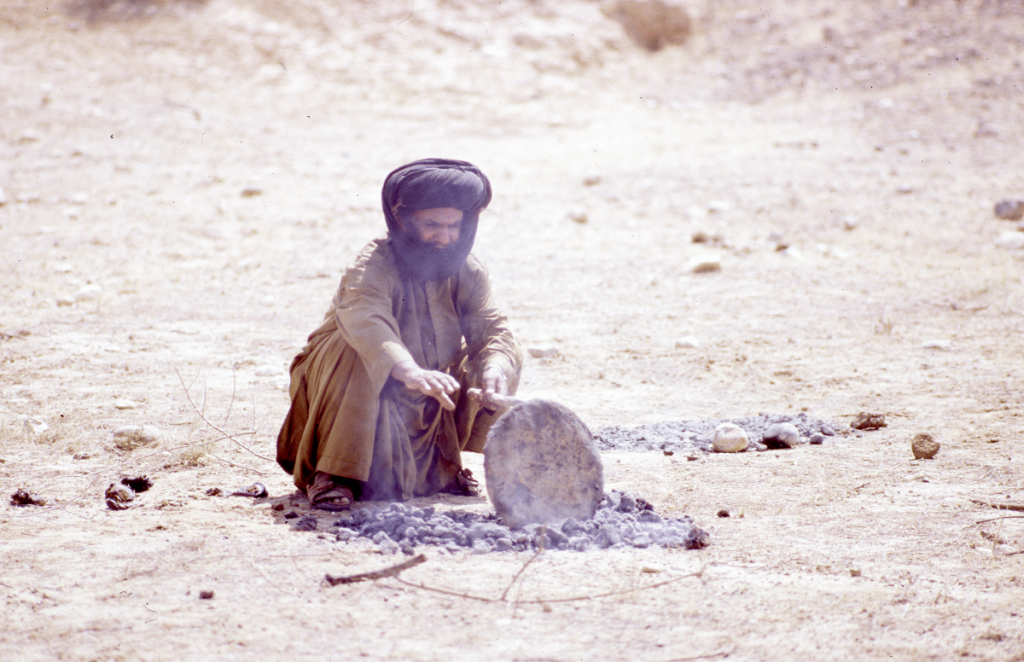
202,415
1019,507
377,574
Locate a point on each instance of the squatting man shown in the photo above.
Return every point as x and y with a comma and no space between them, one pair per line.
381,406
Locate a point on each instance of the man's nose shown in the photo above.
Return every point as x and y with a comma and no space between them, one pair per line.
447,237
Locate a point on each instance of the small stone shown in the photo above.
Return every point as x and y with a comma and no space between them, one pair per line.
87,293
65,301
35,426
125,404
729,438
688,342
578,216
1011,240
308,523
592,180
146,434
723,513
269,371
936,344
23,498
855,572
652,24
119,497
251,192
206,595
867,421
924,446
704,264
542,352
1010,210
781,435
817,439
3,197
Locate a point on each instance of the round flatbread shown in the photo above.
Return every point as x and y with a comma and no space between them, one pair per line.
542,465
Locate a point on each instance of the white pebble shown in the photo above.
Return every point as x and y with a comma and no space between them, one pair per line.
936,344
65,300
704,264
543,352
1012,240
35,426
689,342
729,438
146,433
3,197
269,371
782,434
125,404
80,198
88,293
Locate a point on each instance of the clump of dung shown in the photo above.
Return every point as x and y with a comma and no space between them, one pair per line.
621,521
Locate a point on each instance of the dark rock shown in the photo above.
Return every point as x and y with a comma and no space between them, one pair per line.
1010,210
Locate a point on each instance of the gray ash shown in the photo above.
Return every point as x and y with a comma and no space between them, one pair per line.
682,436
621,521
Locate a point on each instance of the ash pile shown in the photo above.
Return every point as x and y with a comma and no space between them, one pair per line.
697,435
621,521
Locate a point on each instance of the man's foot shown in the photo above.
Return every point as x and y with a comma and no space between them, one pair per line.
327,492
463,484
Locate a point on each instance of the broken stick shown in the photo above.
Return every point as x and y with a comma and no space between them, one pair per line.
393,571
1000,506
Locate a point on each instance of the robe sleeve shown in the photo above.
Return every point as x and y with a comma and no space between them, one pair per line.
489,340
364,311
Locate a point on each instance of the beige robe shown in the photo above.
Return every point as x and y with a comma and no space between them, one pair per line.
349,418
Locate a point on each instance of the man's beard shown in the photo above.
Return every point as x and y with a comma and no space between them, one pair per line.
427,263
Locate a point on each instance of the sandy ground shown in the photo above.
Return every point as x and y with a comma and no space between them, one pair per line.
199,177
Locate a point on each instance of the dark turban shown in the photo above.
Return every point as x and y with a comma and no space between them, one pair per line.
431,184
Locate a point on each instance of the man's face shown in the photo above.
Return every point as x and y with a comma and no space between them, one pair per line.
438,228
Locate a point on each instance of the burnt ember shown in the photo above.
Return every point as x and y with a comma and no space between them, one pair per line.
621,521
686,436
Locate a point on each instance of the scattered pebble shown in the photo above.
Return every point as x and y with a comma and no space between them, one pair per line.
1010,210
125,404
729,438
307,523
621,521
251,192
87,293
698,435
120,497
866,421
269,371
255,491
936,344
723,513
543,352
145,433
704,264
35,426
64,301
688,342
206,595
817,439
23,498
1011,240
924,446
578,216
592,180
855,572
3,197
781,435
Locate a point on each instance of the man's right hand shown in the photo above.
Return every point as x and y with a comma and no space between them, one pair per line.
436,384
